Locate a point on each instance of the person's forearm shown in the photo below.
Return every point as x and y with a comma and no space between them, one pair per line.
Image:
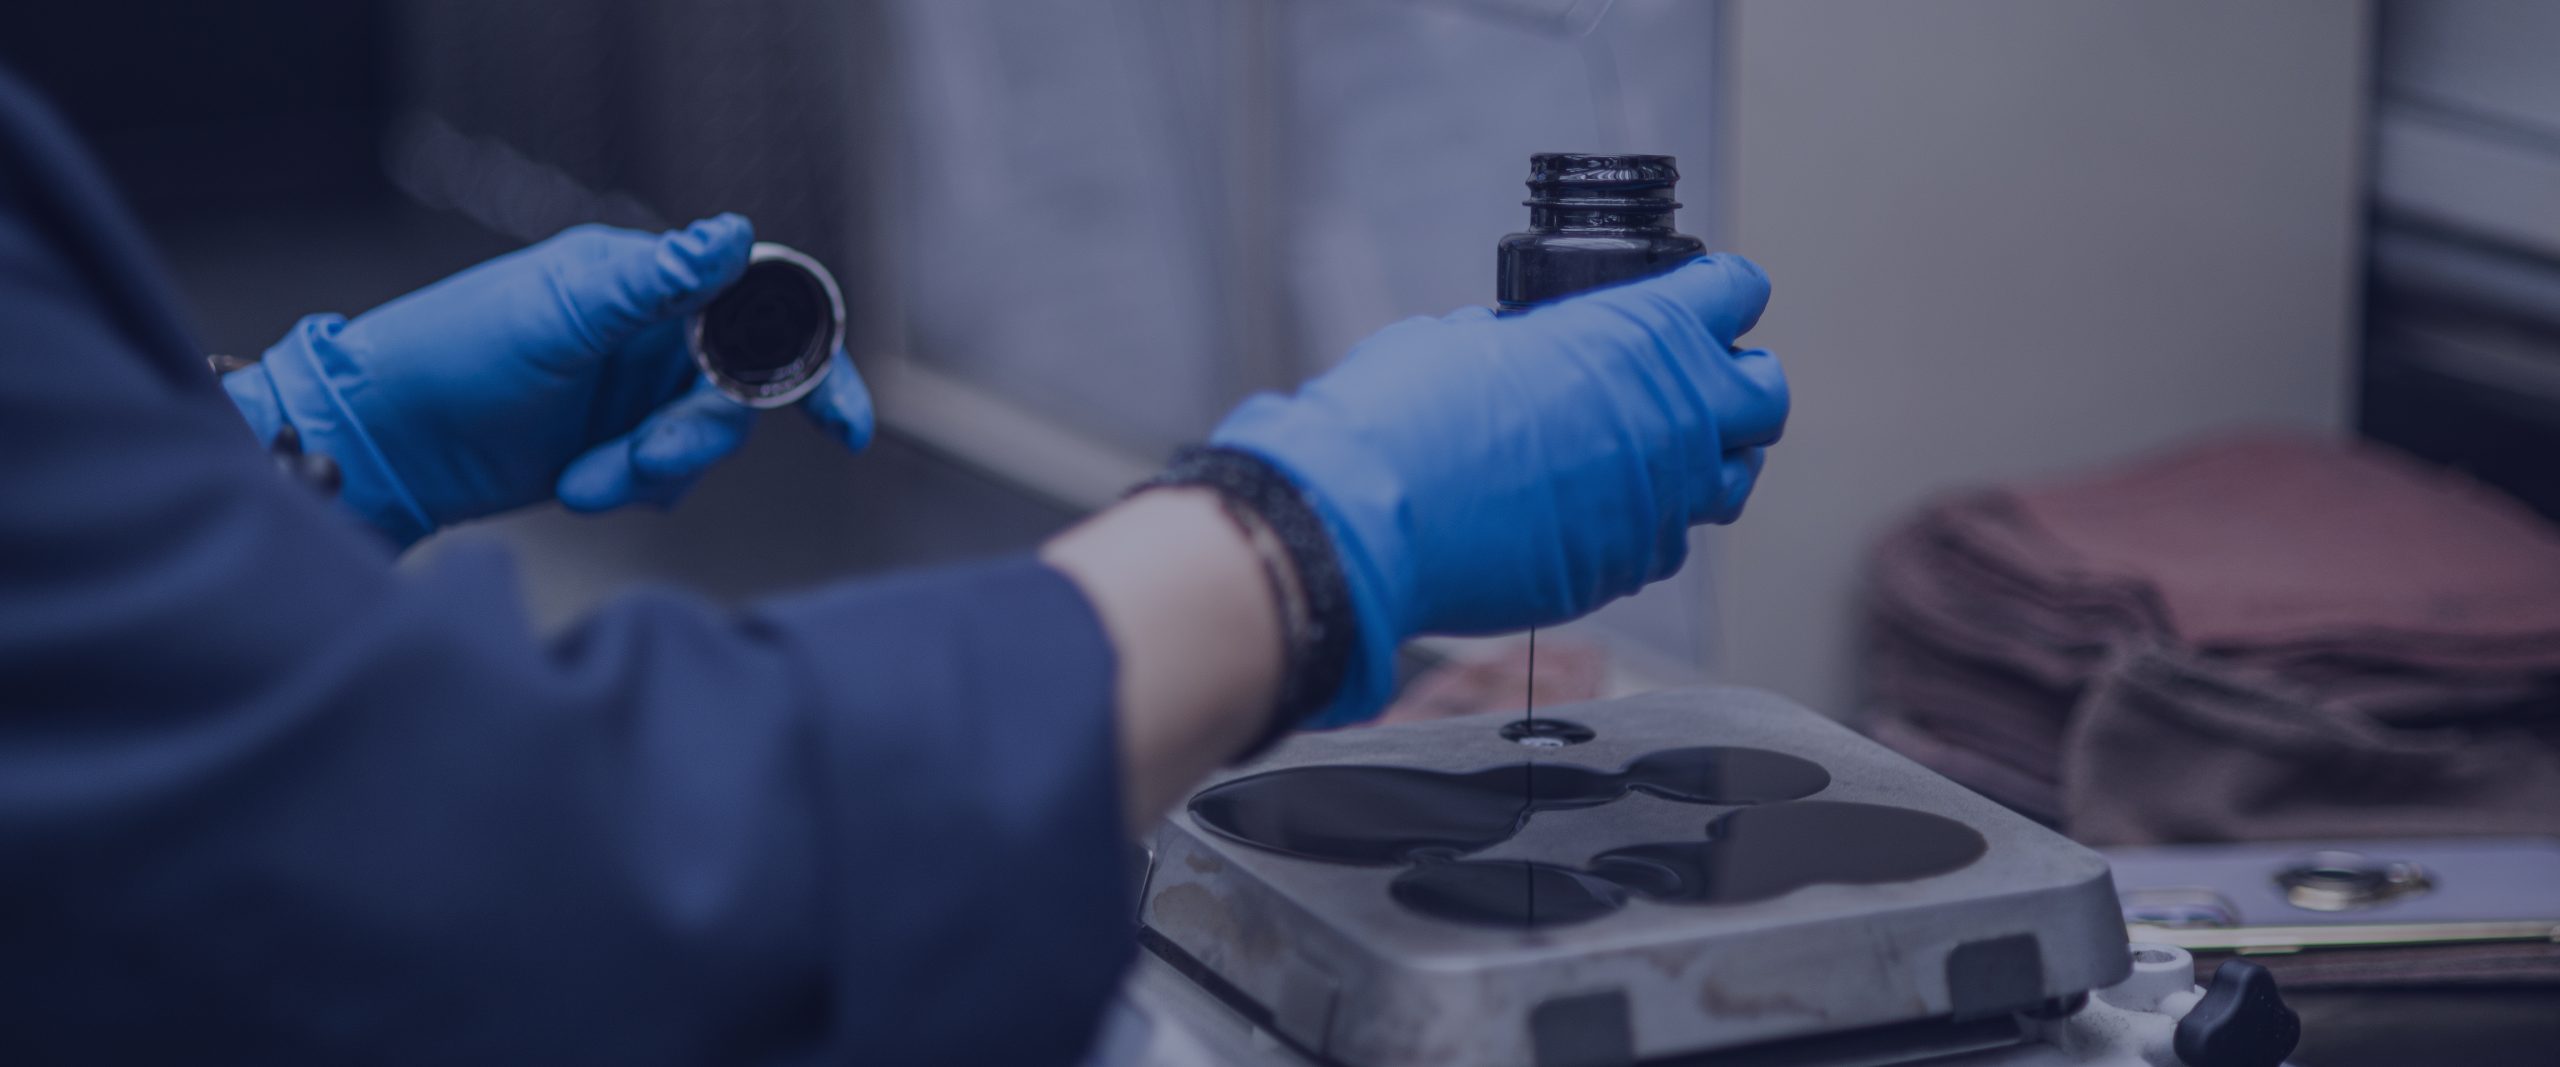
1190,613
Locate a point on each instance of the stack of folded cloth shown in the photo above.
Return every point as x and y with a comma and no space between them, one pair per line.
2355,588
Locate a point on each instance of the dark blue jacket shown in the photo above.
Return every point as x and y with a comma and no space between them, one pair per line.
264,799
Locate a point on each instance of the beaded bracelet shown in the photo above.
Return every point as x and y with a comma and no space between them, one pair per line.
1317,626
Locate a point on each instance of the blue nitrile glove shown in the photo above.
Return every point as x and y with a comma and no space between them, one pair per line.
1483,474
560,369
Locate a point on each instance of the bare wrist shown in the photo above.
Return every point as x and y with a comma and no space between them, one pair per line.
1195,628
1318,628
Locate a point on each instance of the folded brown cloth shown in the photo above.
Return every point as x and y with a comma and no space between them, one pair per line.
2382,584
2298,545
2370,585
1976,722
1942,580
2169,746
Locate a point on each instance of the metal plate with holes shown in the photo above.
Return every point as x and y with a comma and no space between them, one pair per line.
1324,955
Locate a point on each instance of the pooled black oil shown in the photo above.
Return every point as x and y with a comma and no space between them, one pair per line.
1506,893
1747,855
1383,816
1428,820
767,321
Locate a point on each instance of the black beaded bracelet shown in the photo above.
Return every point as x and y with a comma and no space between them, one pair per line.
1318,628
313,470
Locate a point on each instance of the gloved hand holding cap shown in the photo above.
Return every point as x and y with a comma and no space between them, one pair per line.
563,368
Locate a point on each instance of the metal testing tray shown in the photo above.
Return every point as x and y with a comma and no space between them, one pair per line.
1365,962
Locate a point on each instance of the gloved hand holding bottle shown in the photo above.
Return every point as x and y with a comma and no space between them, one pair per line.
557,370
1481,474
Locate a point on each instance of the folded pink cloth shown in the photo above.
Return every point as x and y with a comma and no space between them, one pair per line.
2171,747
2372,591
2285,543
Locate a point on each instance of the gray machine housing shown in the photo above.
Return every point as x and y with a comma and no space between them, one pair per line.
1334,966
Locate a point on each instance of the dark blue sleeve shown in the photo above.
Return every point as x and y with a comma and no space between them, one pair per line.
266,799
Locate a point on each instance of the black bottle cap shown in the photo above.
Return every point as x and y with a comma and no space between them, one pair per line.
768,338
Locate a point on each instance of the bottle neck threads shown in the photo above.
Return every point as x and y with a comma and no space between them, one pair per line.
1569,191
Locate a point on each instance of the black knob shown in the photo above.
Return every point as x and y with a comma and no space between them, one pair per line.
2241,1022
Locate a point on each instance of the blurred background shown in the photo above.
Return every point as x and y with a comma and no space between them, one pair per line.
2012,239
2017,245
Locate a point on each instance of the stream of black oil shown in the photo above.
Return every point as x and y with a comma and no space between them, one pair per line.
1428,821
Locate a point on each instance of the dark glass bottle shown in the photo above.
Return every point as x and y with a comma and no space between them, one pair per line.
1593,221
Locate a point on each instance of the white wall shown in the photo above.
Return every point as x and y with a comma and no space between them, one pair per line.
2012,237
